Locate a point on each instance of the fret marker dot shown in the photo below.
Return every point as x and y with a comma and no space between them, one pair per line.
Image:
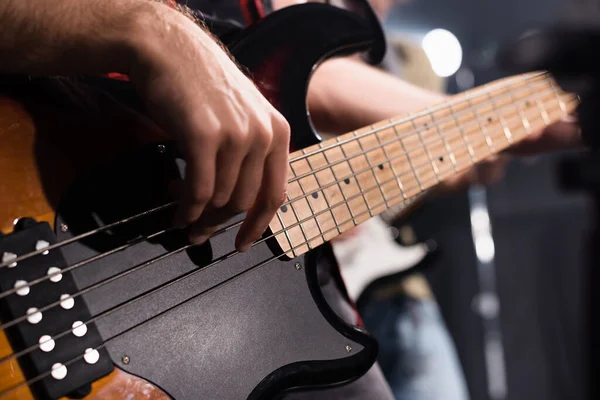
441,158
7,256
22,288
33,315
42,244
91,356
46,343
283,208
79,328
347,181
54,270
380,166
315,195
59,371
489,119
527,103
66,301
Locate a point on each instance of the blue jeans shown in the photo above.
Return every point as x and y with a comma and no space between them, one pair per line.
416,352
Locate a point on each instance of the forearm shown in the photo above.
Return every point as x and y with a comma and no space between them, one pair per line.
62,37
345,94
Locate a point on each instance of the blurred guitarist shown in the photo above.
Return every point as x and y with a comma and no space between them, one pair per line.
232,137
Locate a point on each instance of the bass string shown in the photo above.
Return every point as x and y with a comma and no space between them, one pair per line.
448,104
421,146
225,229
180,278
170,204
220,231
451,118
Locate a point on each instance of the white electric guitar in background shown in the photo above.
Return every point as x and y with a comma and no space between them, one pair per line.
372,252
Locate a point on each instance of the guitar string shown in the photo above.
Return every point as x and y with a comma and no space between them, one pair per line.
482,91
177,279
235,276
223,230
457,100
450,118
337,144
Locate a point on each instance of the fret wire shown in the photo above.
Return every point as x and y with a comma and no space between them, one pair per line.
335,205
323,191
434,166
560,102
285,229
480,92
507,132
297,219
483,128
291,204
355,176
349,176
357,195
407,155
361,136
524,120
339,182
540,107
308,200
462,135
398,183
443,137
372,169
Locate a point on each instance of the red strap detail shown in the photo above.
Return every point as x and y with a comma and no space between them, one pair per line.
244,5
117,76
253,10
260,8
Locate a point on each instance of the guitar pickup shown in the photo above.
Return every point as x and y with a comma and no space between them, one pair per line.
56,347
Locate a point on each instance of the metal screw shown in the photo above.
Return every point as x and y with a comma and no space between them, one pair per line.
125,360
161,148
298,266
348,348
63,228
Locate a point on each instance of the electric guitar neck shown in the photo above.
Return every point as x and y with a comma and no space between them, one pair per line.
342,182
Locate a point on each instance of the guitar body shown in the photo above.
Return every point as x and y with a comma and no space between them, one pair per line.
220,326
372,255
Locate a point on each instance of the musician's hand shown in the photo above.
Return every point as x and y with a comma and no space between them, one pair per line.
486,172
561,135
235,142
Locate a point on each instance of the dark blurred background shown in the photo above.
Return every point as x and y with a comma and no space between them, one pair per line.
538,230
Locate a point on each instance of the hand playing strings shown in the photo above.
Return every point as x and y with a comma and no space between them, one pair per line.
235,142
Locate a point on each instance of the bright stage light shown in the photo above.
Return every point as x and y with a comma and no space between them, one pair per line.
444,52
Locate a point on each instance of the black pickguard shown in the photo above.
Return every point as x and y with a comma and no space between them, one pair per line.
241,327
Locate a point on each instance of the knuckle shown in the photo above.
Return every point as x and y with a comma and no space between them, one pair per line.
275,201
240,206
282,127
264,138
201,194
220,199
236,140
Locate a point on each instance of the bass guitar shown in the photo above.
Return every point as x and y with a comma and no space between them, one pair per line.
100,297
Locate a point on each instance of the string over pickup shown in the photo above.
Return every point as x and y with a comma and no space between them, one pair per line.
49,327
